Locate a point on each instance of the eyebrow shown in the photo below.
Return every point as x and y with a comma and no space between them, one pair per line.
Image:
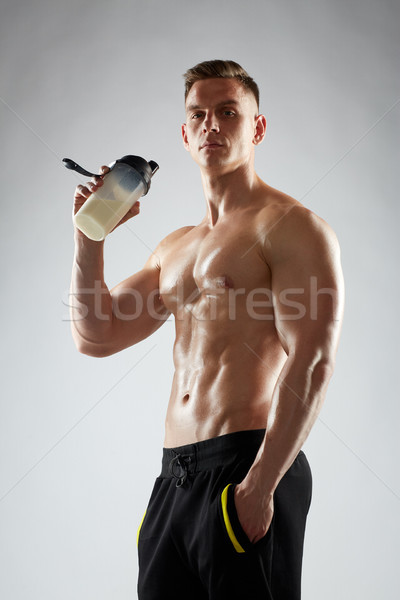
223,103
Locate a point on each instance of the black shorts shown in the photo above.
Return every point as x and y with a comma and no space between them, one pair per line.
191,544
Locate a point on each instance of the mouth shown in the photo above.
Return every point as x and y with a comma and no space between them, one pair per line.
210,145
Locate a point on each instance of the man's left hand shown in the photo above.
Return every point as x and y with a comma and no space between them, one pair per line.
255,510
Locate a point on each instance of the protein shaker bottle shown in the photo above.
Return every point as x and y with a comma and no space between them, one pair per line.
128,180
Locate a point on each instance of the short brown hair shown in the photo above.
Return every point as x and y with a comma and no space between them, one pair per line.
220,68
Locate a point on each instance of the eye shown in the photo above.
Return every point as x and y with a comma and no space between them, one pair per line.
196,115
229,113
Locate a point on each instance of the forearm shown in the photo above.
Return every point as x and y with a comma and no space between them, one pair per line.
91,303
296,403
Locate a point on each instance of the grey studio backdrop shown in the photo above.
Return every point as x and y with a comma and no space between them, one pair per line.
80,438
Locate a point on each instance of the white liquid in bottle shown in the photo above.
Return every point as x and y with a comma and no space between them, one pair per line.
104,209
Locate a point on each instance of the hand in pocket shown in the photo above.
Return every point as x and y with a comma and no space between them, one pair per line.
254,510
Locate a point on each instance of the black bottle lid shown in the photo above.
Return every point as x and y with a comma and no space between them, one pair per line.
144,168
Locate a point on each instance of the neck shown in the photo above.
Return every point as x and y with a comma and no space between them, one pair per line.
225,192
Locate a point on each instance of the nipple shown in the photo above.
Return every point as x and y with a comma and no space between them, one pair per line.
224,281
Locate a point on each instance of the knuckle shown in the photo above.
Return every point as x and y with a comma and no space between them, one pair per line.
81,190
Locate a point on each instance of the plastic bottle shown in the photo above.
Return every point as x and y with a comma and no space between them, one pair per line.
128,180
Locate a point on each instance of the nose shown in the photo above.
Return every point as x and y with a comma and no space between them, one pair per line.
210,123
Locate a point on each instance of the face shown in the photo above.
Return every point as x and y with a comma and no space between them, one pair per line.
222,126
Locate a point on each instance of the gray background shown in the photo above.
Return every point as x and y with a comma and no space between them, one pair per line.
80,438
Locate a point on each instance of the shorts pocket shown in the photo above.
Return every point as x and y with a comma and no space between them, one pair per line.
139,528
232,526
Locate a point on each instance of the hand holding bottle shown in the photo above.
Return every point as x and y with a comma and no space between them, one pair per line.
82,193
111,197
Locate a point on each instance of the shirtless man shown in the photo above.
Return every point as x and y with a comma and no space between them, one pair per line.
257,294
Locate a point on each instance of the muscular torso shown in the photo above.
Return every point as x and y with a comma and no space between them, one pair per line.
227,354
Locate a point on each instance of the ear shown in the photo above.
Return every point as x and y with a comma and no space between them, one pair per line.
260,128
185,138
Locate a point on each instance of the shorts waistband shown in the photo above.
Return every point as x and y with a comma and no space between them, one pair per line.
185,460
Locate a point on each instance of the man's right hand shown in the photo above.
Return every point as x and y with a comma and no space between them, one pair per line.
82,193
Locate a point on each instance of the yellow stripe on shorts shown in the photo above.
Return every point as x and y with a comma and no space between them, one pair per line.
139,528
227,521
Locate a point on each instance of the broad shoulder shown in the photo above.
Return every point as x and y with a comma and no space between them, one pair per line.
175,235
168,242
292,230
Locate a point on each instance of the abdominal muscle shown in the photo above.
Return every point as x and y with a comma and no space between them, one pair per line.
225,375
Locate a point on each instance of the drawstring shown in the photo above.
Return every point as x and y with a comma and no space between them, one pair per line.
183,463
